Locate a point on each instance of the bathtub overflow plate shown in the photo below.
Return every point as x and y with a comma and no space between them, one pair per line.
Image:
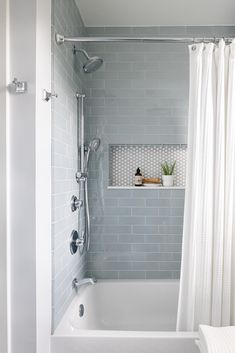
81,310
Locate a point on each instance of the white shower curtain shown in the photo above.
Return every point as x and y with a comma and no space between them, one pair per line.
209,220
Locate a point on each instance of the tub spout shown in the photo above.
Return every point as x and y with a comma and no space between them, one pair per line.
76,284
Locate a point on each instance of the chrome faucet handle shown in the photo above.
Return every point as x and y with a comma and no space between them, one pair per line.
76,242
76,204
74,283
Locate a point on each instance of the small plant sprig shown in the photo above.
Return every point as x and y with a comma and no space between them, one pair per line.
168,169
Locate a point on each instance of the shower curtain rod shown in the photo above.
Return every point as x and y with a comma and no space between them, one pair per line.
61,39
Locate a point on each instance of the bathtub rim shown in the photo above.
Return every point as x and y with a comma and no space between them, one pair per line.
64,329
129,334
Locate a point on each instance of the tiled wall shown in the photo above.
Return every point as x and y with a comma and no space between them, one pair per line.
139,96
66,81
137,234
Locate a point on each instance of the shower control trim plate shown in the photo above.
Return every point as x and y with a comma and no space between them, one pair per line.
75,242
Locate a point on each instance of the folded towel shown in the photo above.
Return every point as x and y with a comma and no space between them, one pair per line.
201,346
216,339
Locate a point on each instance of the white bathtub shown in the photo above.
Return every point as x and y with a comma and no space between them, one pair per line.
128,316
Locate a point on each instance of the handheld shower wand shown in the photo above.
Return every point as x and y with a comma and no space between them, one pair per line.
92,147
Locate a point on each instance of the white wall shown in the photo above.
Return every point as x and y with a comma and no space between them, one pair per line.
29,178
3,182
22,201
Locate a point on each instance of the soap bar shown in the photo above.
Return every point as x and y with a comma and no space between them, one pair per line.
152,180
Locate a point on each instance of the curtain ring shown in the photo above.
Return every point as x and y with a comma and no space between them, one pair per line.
216,43
204,44
194,47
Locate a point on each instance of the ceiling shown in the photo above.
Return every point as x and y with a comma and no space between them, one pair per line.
99,13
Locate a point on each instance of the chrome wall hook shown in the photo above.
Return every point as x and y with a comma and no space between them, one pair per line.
46,96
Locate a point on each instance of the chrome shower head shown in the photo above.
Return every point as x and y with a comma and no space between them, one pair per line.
94,144
92,64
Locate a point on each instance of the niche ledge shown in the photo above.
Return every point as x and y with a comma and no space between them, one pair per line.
146,187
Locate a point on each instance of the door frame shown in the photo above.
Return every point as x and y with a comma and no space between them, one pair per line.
3,178
40,20
43,177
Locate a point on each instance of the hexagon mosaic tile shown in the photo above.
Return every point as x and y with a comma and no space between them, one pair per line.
125,159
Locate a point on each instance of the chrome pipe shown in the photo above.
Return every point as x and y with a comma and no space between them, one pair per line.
75,50
81,131
186,40
88,221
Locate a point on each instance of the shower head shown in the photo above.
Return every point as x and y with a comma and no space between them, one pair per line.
94,144
92,64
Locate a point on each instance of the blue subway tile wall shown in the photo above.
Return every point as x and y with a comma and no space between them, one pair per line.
138,236
66,80
138,96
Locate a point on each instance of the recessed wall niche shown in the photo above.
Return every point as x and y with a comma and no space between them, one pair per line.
125,159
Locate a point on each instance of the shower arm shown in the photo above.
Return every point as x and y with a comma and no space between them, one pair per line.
60,39
75,50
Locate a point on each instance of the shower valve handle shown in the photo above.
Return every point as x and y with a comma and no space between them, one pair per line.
76,204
